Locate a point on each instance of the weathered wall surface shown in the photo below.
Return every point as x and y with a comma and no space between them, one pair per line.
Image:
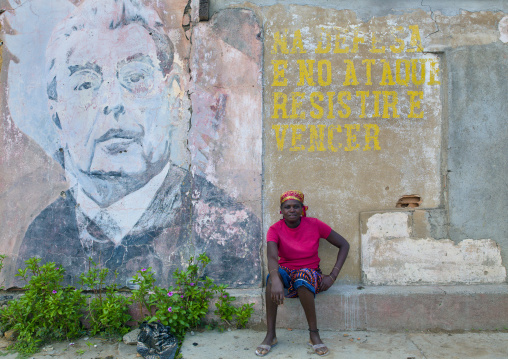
352,115
348,123
477,155
120,142
359,103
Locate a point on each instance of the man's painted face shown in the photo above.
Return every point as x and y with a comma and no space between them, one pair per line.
114,104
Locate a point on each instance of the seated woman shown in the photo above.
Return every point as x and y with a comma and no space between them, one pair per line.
295,240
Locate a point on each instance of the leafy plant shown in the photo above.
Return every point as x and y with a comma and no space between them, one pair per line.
196,290
225,310
107,310
185,305
229,313
50,311
145,282
243,314
46,311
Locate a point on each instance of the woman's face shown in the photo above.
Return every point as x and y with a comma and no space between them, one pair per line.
291,210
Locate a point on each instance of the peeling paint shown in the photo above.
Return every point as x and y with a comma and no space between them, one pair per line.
391,255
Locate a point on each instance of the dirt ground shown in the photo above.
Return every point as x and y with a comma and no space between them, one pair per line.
84,348
235,344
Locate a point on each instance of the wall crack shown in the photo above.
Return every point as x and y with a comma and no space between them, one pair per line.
408,337
433,17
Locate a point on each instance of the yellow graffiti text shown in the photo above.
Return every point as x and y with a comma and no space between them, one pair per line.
339,40
321,138
401,72
373,104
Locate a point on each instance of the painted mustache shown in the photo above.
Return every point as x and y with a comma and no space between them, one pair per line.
116,133
115,142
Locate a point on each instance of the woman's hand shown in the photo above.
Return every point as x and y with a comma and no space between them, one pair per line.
275,281
326,283
277,290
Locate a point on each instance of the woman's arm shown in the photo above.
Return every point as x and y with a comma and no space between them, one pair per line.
277,288
338,241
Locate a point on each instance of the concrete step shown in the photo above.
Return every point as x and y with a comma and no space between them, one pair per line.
346,307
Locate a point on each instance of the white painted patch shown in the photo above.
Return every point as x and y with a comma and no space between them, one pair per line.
391,224
390,256
503,29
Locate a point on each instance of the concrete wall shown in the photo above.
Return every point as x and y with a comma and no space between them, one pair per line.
430,156
363,133
357,104
477,163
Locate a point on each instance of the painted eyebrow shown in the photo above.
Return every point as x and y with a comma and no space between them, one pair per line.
139,57
88,66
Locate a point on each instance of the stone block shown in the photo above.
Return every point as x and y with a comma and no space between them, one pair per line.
11,335
131,338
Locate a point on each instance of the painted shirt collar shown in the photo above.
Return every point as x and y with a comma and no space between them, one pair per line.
117,220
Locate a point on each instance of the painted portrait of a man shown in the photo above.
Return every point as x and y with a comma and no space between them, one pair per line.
118,97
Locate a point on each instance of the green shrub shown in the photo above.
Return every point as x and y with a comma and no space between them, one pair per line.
49,311
185,305
107,311
230,314
46,311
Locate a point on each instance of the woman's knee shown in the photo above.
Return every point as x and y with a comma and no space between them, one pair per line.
302,285
304,290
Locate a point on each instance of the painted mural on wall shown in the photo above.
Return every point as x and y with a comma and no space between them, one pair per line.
147,131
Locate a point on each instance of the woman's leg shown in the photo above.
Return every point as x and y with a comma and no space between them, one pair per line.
309,307
271,317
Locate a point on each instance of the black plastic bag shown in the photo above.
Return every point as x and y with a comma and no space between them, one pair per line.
155,341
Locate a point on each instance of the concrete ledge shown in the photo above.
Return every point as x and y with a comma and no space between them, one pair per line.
381,308
404,307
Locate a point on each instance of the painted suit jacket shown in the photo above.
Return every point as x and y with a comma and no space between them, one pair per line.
200,218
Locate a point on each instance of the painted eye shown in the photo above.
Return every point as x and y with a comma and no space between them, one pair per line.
84,86
85,80
137,77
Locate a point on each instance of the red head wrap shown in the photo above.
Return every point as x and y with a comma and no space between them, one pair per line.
296,195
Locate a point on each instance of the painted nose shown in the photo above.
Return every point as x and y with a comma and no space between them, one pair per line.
116,110
112,97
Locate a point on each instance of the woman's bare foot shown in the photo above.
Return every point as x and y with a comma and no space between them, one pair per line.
316,343
268,343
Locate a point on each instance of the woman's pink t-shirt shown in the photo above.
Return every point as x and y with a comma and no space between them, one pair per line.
298,247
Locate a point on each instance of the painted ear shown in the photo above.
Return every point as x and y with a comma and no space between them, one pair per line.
56,120
174,82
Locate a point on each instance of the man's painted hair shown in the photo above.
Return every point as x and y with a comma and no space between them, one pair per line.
104,15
